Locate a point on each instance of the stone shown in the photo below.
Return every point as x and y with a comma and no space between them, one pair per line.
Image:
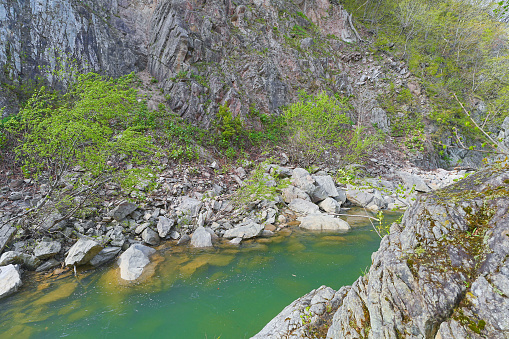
13,257
303,207
51,263
82,252
413,181
164,226
10,280
190,207
330,205
6,234
133,261
107,254
358,197
326,182
123,210
251,230
291,192
201,238
303,180
47,249
141,228
184,239
323,222
150,236
51,222
235,241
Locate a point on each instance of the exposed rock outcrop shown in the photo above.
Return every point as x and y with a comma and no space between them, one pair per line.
133,261
441,273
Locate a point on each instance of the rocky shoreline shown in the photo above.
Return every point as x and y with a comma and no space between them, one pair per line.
441,273
196,210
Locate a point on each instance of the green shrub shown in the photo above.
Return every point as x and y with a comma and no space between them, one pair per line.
318,128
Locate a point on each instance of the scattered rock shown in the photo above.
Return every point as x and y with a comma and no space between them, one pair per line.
133,261
48,265
248,231
323,222
13,257
107,254
201,238
291,193
235,241
150,236
82,252
330,205
47,249
304,207
190,207
123,210
413,181
164,226
184,239
10,280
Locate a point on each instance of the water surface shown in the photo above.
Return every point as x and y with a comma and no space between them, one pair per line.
222,293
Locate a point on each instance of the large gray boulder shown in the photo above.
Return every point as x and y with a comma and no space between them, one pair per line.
303,207
251,230
14,257
303,180
47,249
150,236
133,261
323,222
164,226
10,280
330,205
326,182
107,254
82,252
291,193
123,210
201,238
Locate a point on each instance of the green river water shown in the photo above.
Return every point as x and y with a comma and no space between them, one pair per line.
221,293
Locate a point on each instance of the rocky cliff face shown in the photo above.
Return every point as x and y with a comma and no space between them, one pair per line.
441,273
253,55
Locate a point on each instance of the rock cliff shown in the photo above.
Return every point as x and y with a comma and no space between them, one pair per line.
441,273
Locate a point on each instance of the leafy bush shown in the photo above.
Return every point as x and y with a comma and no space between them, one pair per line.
318,128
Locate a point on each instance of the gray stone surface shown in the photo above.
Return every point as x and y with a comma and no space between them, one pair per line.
190,206
291,193
14,257
304,207
201,238
82,252
164,226
6,233
123,210
133,261
330,205
10,280
413,181
107,254
326,182
150,236
250,230
303,180
47,249
323,222
51,263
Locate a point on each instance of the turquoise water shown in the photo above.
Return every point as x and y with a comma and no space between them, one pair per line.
221,293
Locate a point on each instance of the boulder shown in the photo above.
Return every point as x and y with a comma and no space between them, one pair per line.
106,254
164,226
184,239
303,180
47,249
323,222
48,265
330,205
10,280
190,207
82,252
291,192
359,197
326,182
303,207
201,238
133,261
235,241
150,236
14,257
251,230
123,210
